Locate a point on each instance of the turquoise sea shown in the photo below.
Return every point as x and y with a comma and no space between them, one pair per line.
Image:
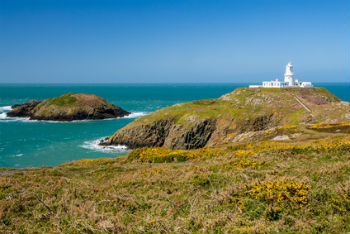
26,143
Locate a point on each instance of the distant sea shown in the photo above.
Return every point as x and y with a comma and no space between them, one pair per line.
27,143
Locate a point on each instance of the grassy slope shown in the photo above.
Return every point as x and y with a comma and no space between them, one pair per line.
245,102
304,188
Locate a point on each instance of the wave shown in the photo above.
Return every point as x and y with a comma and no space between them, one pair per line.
134,115
5,108
94,145
5,118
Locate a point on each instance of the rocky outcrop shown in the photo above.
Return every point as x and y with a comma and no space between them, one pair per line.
68,107
238,116
23,110
164,133
147,135
194,138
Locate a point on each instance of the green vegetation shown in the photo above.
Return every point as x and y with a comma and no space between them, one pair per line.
64,100
240,116
245,103
246,182
267,187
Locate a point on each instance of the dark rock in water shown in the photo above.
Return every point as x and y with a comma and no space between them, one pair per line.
104,141
23,109
68,107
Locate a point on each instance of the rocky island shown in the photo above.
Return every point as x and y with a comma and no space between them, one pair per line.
68,107
244,114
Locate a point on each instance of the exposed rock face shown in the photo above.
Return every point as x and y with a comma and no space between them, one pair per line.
234,117
164,133
24,109
147,135
68,107
195,137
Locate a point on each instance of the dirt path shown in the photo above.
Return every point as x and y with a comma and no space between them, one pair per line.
301,103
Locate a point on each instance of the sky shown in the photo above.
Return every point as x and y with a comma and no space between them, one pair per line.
173,41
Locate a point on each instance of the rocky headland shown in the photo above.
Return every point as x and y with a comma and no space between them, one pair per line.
68,107
242,115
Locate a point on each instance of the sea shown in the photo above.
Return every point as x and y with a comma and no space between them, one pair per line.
29,143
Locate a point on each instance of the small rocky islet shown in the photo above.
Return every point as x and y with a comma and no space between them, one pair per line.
68,107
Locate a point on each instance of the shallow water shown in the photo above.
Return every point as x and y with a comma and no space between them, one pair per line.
25,143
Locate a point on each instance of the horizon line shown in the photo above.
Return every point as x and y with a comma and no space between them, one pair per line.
129,83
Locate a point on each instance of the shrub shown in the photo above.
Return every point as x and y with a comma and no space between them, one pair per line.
284,191
160,155
239,164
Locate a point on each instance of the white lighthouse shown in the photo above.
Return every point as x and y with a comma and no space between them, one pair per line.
288,82
288,75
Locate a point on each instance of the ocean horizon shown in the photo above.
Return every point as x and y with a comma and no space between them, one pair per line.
29,143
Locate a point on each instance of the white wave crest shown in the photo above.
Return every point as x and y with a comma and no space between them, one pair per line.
134,115
94,145
3,116
5,108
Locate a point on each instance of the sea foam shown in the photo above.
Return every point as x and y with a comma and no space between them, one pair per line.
5,118
134,115
5,108
95,146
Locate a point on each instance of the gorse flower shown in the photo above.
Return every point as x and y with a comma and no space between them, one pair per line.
284,191
240,164
160,155
242,153
328,126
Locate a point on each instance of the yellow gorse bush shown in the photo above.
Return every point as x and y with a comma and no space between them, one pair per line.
289,126
281,192
94,160
159,154
240,164
320,145
327,126
242,153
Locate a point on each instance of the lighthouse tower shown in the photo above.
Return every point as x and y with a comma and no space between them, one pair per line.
288,75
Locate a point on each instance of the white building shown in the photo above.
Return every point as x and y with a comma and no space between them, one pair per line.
287,83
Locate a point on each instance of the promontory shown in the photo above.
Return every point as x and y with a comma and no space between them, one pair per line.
245,114
68,107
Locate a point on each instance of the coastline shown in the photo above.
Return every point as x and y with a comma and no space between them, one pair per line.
59,144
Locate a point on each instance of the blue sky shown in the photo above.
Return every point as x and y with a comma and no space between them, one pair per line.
172,40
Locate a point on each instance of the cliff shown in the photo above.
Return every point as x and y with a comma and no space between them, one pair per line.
256,113
68,107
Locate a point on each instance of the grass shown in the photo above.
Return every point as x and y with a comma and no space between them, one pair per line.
245,103
64,100
266,187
